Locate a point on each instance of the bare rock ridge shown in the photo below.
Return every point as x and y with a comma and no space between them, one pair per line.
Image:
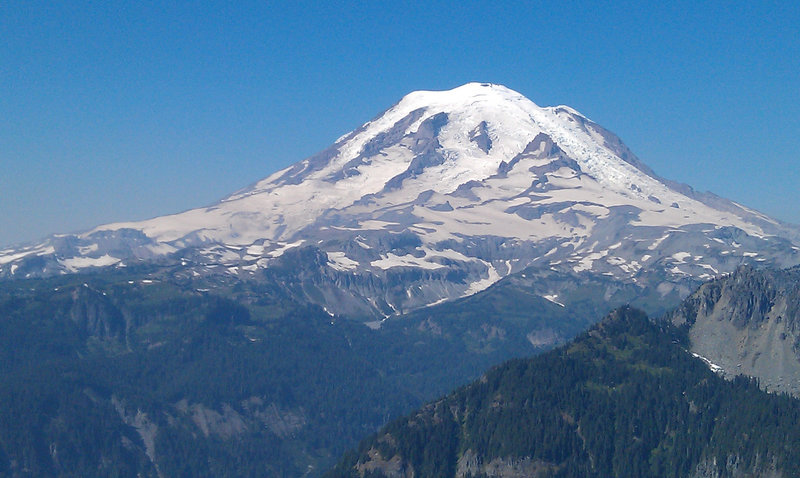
748,323
447,192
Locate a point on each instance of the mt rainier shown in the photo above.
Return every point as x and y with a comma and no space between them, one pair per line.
439,197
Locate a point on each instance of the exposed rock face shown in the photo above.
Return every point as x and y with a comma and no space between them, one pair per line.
391,468
142,423
734,469
280,421
227,422
471,464
748,323
96,315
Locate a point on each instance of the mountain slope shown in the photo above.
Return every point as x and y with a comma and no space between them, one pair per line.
137,372
748,322
119,374
446,192
624,399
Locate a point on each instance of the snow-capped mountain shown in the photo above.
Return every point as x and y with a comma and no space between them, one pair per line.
439,197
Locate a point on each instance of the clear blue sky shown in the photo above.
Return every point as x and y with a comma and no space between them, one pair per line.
116,111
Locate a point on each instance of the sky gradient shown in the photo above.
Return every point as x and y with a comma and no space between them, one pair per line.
113,111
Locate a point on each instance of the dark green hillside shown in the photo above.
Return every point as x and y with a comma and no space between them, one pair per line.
445,345
624,399
138,372
143,370
106,375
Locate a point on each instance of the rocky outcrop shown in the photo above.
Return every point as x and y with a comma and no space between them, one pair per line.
734,468
471,464
228,422
142,423
748,323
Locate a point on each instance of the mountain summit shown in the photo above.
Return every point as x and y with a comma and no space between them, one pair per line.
441,196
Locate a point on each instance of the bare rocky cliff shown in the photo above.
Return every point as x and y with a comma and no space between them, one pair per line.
747,323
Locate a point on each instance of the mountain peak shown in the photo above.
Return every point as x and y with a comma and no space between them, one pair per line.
457,188
465,93
474,97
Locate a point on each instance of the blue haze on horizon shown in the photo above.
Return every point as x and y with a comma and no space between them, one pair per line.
115,111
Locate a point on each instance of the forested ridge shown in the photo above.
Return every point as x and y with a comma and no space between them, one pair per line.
624,399
127,376
139,372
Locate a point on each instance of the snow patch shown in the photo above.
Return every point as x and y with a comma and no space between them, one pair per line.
714,367
340,262
392,260
255,250
477,286
553,298
75,264
283,248
586,262
39,251
681,256
657,243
